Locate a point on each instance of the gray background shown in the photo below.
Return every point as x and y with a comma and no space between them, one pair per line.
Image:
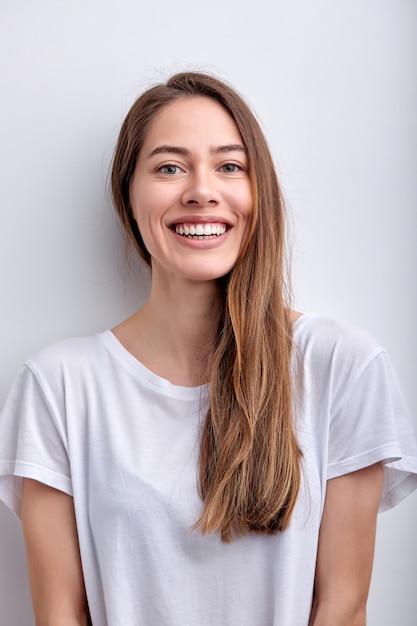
335,86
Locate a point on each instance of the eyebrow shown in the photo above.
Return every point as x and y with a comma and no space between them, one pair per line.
230,147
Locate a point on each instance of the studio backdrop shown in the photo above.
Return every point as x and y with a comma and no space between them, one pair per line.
335,87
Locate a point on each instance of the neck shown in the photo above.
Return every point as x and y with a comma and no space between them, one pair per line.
183,313
173,333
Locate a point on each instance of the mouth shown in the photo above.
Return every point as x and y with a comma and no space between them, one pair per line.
200,230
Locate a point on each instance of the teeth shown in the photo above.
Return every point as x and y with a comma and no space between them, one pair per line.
200,230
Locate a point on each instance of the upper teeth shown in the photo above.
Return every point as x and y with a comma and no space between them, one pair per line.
200,229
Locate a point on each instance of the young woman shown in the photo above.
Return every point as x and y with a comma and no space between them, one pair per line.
216,459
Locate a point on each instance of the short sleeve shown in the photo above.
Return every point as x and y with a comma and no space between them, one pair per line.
371,424
33,441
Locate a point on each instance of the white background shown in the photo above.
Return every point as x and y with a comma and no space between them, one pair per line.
335,86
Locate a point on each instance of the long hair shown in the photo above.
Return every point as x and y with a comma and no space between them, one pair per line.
249,466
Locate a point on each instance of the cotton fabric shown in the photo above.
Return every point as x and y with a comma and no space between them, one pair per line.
85,417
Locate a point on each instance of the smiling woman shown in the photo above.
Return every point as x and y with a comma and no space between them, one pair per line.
217,458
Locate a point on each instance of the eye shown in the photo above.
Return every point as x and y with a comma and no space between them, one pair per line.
170,169
231,168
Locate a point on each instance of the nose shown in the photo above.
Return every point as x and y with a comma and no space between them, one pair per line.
200,189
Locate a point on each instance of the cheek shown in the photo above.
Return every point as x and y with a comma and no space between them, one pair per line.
141,206
150,202
240,200
247,203
148,209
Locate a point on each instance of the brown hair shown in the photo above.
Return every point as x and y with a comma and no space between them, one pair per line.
249,466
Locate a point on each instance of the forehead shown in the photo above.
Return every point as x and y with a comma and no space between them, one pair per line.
195,118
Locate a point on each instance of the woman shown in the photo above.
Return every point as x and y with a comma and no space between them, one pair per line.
217,458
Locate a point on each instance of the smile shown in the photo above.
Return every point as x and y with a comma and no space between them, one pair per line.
200,231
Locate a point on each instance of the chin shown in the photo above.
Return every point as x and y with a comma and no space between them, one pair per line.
206,275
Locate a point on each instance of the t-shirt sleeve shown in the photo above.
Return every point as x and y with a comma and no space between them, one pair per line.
370,423
33,441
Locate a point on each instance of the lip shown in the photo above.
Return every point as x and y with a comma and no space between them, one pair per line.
199,219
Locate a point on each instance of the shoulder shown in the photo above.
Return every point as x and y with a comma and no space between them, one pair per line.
327,336
67,356
331,348
332,361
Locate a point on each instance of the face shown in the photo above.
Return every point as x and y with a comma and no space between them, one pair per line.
190,193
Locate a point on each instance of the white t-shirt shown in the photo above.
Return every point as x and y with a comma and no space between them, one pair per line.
84,416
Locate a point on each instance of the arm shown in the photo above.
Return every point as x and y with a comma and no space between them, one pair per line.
54,563
346,548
